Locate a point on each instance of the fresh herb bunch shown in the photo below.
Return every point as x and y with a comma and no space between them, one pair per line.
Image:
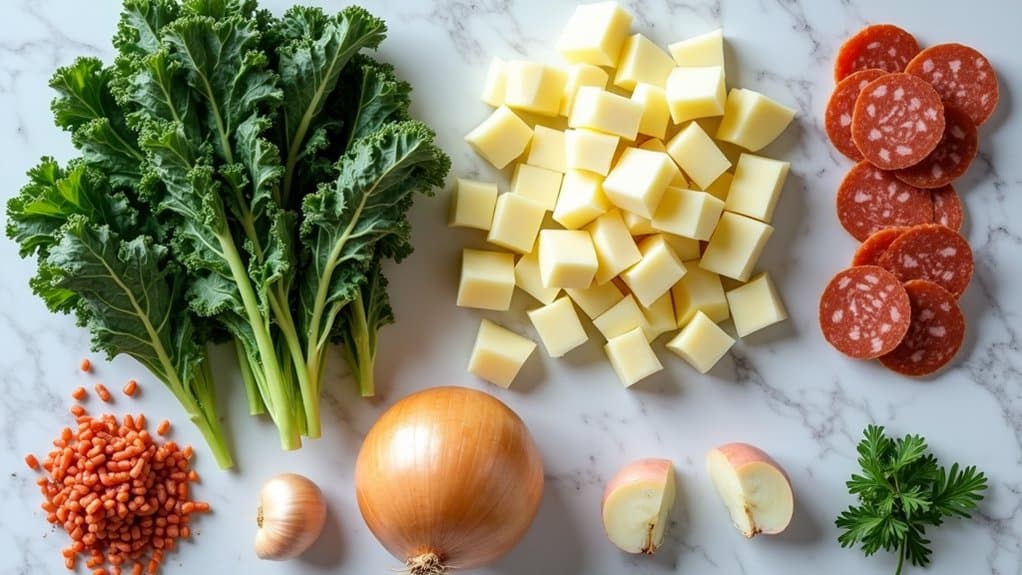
241,176
902,490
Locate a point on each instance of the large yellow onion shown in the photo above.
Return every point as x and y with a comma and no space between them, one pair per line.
448,478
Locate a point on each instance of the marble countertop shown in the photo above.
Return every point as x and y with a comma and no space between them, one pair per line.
784,389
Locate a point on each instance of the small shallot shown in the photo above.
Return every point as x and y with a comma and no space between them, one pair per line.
291,517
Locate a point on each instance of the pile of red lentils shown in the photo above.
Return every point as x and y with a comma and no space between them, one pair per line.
121,494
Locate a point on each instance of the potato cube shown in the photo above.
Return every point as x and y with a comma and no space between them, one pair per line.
499,354
558,327
581,75
703,50
534,87
632,357
697,154
547,149
638,180
472,204
603,111
752,120
567,259
660,316
581,199
655,114
528,279
688,213
755,305
642,61
656,272
699,291
589,150
685,248
595,34
595,300
538,184
756,186
721,186
487,280
501,138
495,85
516,221
701,343
696,92
615,248
735,246
623,317
637,225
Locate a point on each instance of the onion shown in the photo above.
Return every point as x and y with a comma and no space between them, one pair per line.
448,478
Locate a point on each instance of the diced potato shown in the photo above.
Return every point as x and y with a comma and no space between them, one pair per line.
595,300
581,75
699,291
701,343
499,354
685,248
621,318
527,278
638,180
590,151
547,149
615,248
756,186
642,61
534,87
697,154
688,213
655,114
567,259
632,357
703,50
755,305
472,204
487,280
581,199
638,225
735,246
752,120
538,184
603,111
501,138
721,186
660,316
495,85
558,327
656,272
516,222
695,93
595,34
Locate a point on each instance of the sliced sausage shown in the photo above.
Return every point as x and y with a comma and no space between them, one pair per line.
962,76
952,156
898,120
838,117
864,312
882,46
869,251
931,252
935,332
870,199
947,208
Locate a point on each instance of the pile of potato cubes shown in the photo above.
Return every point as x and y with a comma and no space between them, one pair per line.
648,212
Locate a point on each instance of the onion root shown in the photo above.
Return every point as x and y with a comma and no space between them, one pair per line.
426,564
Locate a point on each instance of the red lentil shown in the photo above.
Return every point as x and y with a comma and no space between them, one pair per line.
32,462
130,388
163,428
86,365
79,393
103,392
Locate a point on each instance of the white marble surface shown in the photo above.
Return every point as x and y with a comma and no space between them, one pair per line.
784,389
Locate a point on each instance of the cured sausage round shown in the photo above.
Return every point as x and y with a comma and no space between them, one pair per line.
838,117
962,76
898,120
947,208
935,332
864,312
869,252
952,156
882,46
870,199
931,252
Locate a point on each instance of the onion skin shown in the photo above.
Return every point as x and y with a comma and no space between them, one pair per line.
450,472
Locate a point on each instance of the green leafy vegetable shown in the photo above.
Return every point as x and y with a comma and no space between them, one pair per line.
239,174
901,491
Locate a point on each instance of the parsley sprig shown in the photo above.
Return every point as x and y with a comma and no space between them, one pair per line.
901,491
